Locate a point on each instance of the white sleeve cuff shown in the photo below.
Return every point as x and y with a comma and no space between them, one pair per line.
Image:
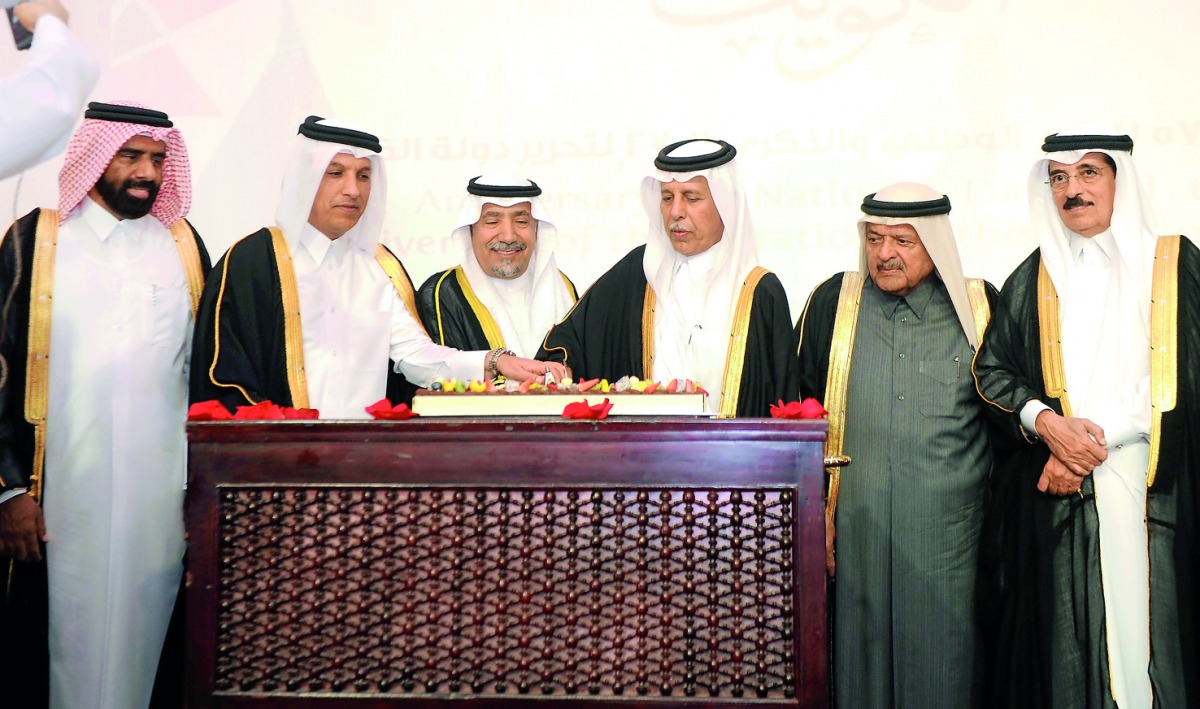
1029,414
10,494
467,366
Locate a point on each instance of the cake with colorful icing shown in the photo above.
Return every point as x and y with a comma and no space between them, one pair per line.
629,396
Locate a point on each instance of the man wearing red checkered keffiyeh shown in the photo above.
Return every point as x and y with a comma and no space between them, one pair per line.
92,446
94,151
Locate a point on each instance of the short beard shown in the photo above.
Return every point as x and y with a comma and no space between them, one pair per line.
120,201
511,270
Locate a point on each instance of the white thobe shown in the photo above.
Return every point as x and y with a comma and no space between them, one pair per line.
115,455
688,342
513,313
352,322
1098,325
44,99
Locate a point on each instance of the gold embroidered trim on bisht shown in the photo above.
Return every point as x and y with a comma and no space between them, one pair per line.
37,359
837,382
395,273
293,336
648,334
570,287
981,311
735,355
1164,333
490,329
189,255
212,368
1050,332
437,306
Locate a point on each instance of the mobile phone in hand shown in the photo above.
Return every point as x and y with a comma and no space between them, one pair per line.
22,37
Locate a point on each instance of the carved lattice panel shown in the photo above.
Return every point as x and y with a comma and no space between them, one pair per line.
484,592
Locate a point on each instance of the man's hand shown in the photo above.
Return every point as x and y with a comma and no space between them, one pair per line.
1057,479
28,13
520,369
1076,442
21,528
830,535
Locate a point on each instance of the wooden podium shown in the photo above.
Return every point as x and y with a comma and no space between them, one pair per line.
431,562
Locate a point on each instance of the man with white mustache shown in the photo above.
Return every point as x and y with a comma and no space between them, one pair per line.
507,291
693,302
888,350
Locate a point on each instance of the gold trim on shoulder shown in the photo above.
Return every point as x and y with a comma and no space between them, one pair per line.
189,255
437,306
490,329
1050,332
981,311
837,382
735,355
37,359
570,287
1164,332
212,368
395,273
648,304
293,336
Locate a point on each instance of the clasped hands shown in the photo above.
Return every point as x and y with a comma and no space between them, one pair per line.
1076,448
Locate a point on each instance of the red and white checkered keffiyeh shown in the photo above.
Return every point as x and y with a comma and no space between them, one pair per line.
91,150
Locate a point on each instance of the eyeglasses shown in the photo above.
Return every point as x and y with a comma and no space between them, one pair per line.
1086,176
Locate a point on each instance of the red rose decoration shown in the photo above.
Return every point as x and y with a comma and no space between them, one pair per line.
810,408
211,410
299,414
581,410
383,410
264,411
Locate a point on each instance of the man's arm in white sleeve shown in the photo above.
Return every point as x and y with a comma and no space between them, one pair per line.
420,360
42,101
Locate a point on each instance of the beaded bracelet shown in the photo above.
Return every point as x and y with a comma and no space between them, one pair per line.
494,359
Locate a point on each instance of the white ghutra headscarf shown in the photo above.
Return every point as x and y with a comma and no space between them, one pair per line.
546,298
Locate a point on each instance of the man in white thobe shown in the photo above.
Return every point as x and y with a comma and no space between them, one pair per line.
1086,365
97,323
357,319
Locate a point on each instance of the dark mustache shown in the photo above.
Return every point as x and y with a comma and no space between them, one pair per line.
1075,202
141,184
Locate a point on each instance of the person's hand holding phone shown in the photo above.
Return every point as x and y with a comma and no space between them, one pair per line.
24,16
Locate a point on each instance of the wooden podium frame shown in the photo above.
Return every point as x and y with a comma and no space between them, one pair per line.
654,562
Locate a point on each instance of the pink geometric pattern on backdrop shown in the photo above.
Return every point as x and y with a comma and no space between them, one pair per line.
159,79
137,30
180,12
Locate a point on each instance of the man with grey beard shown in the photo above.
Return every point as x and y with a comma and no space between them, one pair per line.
507,290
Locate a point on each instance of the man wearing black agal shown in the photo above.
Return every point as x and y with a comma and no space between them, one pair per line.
1091,367
693,303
